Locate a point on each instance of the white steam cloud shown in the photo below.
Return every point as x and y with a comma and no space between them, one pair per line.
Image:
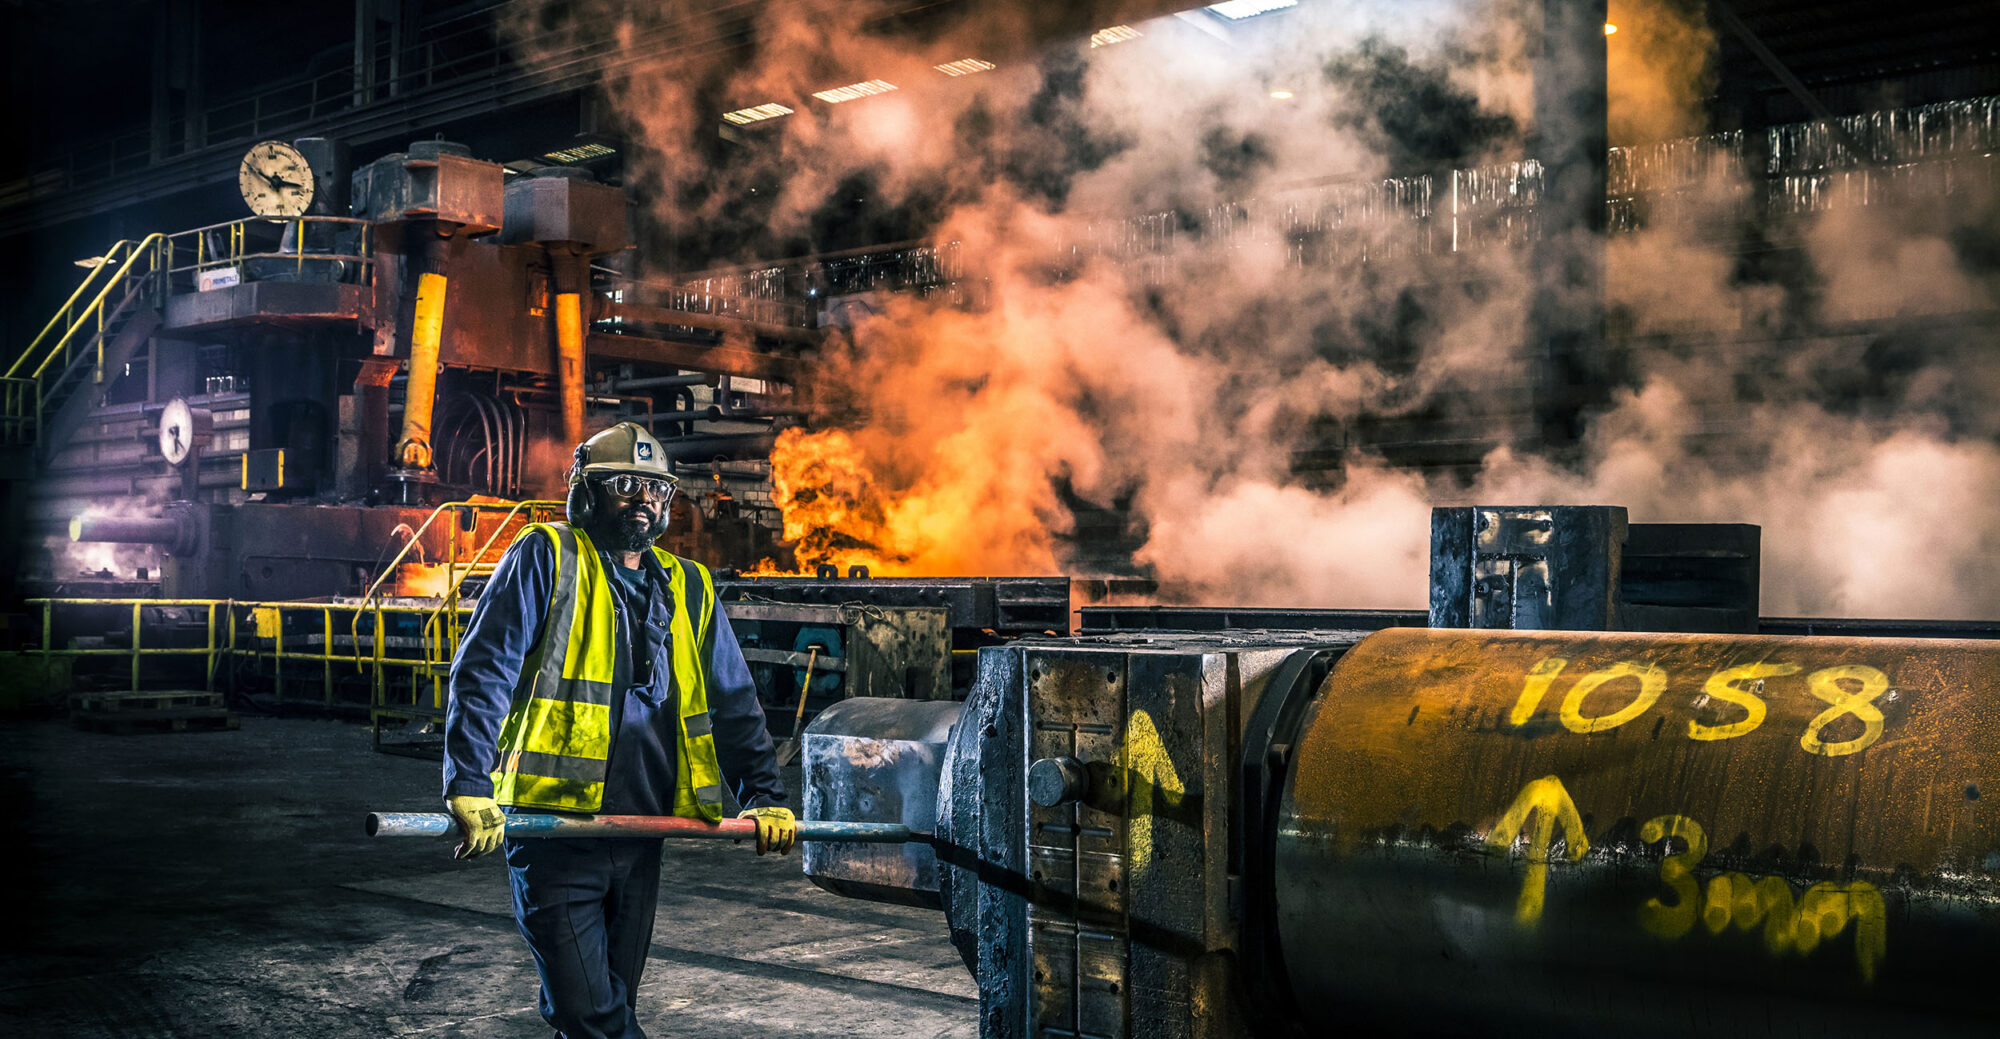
1220,368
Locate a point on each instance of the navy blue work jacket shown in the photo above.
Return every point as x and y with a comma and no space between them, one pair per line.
506,624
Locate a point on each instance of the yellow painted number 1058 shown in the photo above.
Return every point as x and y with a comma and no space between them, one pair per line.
1847,689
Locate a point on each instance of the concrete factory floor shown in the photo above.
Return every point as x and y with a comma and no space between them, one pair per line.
219,884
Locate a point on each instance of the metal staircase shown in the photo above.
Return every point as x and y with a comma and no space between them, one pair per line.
48,390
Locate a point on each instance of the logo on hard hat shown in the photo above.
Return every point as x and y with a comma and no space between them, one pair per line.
645,451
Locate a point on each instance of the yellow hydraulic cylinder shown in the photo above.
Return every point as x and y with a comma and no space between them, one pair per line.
569,364
426,330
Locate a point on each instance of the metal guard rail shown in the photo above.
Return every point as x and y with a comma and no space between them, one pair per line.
150,265
116,255
25,388
440,625
268,623
262,617
236,252
441,628
148,247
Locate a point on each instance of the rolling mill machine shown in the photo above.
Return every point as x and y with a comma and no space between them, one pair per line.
299,440
415,335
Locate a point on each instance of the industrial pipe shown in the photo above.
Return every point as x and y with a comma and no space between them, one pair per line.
440,824
698,415
653,382
161,531
753,414
175,532
420,395
371,390
700,447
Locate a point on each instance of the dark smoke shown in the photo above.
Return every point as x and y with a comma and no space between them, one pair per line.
1411,112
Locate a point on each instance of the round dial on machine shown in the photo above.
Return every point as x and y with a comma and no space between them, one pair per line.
182,428
275,180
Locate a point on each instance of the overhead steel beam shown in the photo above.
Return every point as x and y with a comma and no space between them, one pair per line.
639,313
727,360
1792,84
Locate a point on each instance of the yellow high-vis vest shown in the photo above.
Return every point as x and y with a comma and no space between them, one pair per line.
555,745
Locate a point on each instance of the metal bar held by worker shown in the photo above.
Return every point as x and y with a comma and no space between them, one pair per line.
440,824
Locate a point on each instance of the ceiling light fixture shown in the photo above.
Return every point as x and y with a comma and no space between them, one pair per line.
1237,10
756,114
1282,95
1609,28
1115,34
963,67
854,91
579,153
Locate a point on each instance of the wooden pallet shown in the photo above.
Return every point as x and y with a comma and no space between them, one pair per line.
141,702
185,719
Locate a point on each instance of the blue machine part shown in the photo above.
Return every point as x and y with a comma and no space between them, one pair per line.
824,683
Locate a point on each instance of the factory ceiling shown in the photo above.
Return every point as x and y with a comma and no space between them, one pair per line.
145,55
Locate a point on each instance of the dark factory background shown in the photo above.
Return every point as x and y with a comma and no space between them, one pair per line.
1722,173
1703,106
1085,409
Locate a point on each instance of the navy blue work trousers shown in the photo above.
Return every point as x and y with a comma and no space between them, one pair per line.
586,907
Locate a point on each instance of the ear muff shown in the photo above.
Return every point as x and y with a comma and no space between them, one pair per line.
581,503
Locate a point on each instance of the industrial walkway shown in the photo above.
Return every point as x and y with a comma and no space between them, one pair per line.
218,884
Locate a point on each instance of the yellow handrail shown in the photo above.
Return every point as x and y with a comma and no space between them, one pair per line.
233,612
148,246
238,242
451,590
515,507
456,578
26,382
103,265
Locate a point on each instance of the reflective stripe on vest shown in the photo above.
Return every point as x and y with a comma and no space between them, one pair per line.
555,744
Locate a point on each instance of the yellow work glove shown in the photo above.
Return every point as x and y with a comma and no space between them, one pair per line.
776,828
480,822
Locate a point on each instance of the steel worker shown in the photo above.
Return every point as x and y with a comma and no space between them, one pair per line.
599,676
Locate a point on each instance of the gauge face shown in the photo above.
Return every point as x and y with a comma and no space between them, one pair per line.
275,180
176,431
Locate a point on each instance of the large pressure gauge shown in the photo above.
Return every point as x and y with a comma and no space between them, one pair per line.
275,180
183,429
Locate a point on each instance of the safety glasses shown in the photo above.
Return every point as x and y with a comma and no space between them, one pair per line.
627,487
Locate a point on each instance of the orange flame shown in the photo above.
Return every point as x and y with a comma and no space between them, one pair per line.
833,513
426,580
840,508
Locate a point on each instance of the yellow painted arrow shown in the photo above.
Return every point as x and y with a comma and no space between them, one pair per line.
1550,804
1149,772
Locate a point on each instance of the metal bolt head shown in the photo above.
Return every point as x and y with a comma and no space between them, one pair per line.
1055,781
